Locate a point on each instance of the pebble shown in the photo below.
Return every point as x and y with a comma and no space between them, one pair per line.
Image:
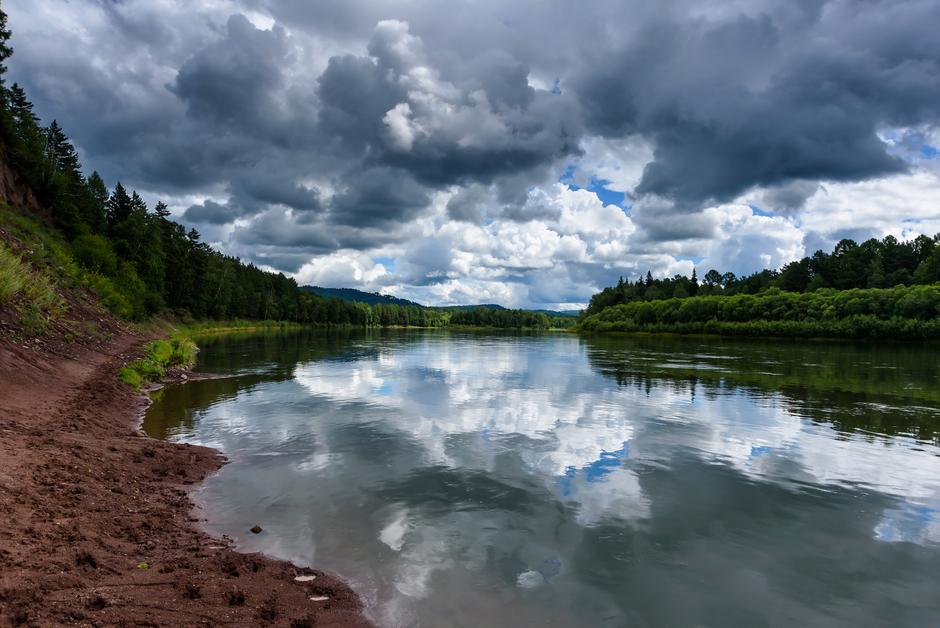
305,578
256,529
319,598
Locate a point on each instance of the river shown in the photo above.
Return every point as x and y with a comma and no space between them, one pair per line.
553,480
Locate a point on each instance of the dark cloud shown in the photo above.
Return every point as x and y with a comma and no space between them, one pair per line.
355,93
277,227
261,186
377,197
466,128
212,213
740,101
236,80
468,205
789,197
661,220
729,97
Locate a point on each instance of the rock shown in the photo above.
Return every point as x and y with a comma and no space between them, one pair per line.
305,578
256,529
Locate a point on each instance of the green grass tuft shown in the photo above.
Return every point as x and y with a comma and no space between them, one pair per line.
177,351
14,275
31,292
130,376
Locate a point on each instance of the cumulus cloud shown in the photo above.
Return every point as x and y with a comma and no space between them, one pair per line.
347,268
313,137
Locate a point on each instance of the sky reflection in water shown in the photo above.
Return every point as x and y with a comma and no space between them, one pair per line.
466,480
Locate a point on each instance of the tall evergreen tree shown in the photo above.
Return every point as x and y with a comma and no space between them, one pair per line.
96,214
118,207
5,50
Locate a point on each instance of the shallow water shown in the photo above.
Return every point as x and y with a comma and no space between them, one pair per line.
551,480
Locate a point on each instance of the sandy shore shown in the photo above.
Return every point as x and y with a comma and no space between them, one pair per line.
97,526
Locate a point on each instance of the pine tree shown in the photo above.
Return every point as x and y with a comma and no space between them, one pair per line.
5,50
61,153
161,211
118,207
22,110
97,199
693,285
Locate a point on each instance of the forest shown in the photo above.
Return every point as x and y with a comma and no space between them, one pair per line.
879,288
872,264
900,312
140,262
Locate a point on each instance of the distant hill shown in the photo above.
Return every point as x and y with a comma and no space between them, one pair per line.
571,313
464,308
373,298
358,296
494,306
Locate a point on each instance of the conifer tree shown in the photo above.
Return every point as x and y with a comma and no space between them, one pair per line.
97,200
118,207
5,50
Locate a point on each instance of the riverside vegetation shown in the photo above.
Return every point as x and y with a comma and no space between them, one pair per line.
878,289
177,351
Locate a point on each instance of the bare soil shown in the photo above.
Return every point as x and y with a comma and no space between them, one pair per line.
96,524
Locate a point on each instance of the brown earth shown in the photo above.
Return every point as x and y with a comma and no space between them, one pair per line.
96,525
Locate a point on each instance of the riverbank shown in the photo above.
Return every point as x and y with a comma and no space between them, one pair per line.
902,312
99,528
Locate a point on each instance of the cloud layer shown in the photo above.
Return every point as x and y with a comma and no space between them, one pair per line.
487,151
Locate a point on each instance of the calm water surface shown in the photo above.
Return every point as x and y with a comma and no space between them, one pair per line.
551,480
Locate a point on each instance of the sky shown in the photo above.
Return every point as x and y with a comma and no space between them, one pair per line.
526,153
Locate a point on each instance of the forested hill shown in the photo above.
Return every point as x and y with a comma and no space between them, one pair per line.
358,296
880,288
374,298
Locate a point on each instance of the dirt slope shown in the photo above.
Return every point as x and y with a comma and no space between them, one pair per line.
96,526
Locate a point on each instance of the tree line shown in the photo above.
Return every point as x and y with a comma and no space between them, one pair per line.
872,264
508,319
899,312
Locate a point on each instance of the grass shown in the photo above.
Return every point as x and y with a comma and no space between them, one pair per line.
203,328
13,274
176,351
30,292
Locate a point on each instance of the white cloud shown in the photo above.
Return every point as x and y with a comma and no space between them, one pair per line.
746,242
903,205
344,269
400,129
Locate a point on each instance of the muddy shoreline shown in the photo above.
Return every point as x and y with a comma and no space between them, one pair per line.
98,526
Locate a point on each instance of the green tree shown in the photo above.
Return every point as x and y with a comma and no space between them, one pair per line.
5,50
713,278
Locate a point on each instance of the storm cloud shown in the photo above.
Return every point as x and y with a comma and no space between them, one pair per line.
431,138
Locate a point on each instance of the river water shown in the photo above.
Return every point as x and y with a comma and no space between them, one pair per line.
551,480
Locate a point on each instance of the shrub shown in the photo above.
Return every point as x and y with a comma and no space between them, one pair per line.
94,252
